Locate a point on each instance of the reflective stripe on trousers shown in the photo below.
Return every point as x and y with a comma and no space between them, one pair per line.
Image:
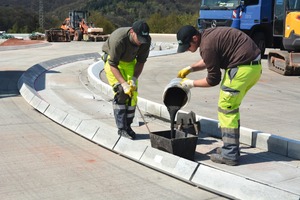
123,111
123,115
235,84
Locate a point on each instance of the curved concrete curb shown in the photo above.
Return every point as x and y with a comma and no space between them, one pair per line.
192,172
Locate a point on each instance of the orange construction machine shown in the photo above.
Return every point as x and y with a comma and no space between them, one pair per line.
76,27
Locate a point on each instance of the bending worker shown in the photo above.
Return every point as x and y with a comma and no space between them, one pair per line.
236,53
125,53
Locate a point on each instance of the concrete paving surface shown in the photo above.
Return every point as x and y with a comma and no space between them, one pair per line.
70,92
41,159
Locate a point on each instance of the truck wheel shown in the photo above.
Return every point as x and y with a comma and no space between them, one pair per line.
48,38
259,39
78,35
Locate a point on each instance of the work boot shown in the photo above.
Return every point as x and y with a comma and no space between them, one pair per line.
217,158
124,133
131,132
219,151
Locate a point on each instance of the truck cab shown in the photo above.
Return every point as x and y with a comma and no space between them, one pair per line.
254,17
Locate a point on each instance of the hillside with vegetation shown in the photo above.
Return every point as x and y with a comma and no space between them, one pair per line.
163,16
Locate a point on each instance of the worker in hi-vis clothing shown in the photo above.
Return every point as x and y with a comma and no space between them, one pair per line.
125,53
235,52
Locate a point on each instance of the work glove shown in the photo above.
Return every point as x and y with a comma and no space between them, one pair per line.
184,72
132,84
187,83
127,89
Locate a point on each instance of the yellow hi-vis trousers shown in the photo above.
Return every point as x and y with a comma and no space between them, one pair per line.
235,84
123,105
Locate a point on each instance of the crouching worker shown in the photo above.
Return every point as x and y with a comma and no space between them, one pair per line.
125,53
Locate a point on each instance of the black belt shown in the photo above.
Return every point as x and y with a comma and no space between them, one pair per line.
255,62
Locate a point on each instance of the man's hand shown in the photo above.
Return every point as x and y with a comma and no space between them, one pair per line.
127,89
187,83
184,72
132,84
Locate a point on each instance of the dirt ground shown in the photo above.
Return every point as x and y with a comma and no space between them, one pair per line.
15,42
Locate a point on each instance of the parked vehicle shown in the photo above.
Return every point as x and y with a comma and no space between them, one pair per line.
270,23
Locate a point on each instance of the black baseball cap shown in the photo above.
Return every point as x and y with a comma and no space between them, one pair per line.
141,28
184,37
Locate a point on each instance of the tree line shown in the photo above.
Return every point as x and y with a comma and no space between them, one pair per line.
163,16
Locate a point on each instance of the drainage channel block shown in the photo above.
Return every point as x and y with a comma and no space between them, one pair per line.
183,145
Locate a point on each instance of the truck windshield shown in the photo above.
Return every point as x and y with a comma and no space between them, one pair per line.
293,5
219,5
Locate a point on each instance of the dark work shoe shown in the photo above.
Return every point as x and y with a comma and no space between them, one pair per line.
131,133
219,150
217,158
124,133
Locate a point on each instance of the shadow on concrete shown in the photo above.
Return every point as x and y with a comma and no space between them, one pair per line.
9,83
40,82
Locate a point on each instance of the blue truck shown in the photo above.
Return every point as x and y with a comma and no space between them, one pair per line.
270,23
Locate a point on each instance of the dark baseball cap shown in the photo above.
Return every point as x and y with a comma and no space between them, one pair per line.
141,28
184,37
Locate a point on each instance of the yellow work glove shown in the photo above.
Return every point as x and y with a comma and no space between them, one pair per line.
132,84
127,89
187,83
184,72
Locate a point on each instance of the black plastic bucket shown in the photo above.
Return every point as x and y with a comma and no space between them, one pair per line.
183,145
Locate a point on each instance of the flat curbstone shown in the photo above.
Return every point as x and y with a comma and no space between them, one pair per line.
210,127
35,101
294,149
272,143
184,169
169,163
164,113
42,107
88,128
71,122
142,103
246,136
239,187
105,137
153,108
27,92
55,114
130,148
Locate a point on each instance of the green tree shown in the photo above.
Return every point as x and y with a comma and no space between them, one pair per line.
170,23
99,21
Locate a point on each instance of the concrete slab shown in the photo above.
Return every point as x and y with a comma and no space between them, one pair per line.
106,136
168,163
55,114
236,186
88,128
71,122
130,148
42,107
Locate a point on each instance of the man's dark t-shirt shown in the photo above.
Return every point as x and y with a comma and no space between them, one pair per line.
225,47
